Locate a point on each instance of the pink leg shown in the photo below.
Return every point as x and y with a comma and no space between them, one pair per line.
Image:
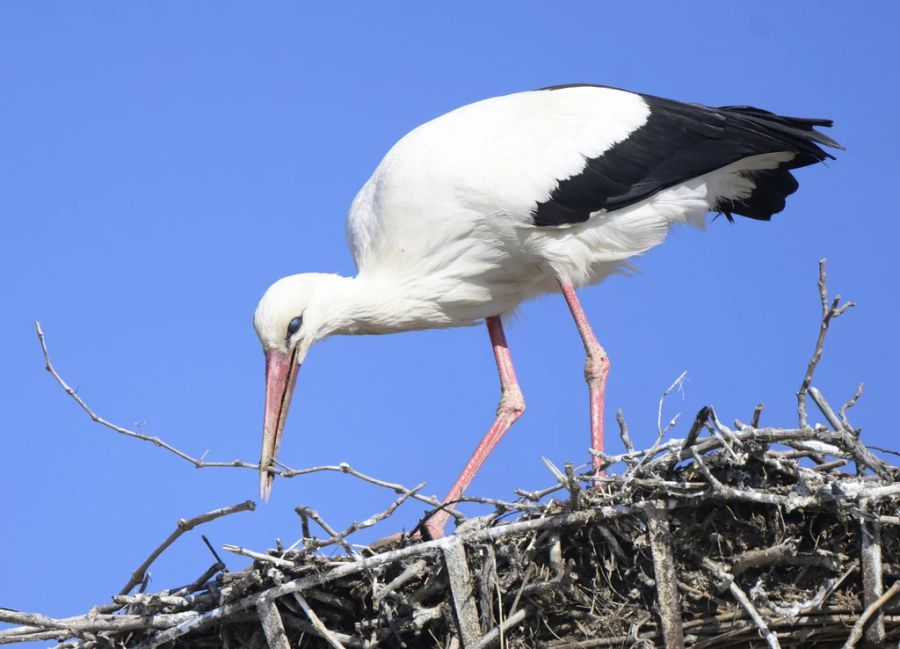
511,407
596,367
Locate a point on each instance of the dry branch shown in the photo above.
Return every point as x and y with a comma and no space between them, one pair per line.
183,526
831,309
201,463
873,609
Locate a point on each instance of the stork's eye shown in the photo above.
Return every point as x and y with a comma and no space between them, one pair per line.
294,325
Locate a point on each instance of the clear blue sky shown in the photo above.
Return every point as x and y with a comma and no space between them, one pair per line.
162,162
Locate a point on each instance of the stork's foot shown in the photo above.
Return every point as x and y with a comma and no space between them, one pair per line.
510,408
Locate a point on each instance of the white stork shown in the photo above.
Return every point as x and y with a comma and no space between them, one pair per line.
499,201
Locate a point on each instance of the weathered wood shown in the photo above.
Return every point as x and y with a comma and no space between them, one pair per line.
665,576
495,634
317,622
488,588
871,610
272,626
460,578
873,588
737,592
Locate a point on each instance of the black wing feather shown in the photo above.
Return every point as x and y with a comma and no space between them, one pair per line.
681,141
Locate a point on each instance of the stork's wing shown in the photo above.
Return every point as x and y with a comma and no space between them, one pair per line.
681,141
554,157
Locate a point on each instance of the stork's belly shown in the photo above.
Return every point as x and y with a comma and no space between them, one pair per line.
487,265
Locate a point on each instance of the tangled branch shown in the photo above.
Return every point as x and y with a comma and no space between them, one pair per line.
731,536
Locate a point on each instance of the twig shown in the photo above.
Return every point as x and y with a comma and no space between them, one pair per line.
212,550
339,538
76,626
722,431
260,556
535,496
857,631
345,468
144,599
317,623
849,404
757,413
721,574
413,571
33,636
335,535
201,581
184,525
495,634
677,383
623,431
519,505
881,449
825,408
574,487
699,421
156,441
555,472
829,312
200,462
661,432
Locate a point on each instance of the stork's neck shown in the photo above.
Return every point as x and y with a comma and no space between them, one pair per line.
368,304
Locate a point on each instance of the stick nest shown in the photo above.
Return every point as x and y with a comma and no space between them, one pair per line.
667,546
733,536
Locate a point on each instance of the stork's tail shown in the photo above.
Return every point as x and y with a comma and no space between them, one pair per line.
773,186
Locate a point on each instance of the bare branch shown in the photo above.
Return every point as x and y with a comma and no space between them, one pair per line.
829,312
495,635
334,536
764,630
184,525
857,631
74,627
849,404
676,384
259,556
339,538
156,441
623,431
757,413
200,462
317,622
825,409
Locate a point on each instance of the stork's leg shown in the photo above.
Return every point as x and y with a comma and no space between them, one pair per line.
596,367
511,407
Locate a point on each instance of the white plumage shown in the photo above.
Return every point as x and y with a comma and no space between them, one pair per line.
496,202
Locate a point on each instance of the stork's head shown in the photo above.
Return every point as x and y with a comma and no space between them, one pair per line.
291,316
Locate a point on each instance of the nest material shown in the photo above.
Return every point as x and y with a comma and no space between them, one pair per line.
736,539
731,537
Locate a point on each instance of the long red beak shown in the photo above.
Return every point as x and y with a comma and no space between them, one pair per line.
281,377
